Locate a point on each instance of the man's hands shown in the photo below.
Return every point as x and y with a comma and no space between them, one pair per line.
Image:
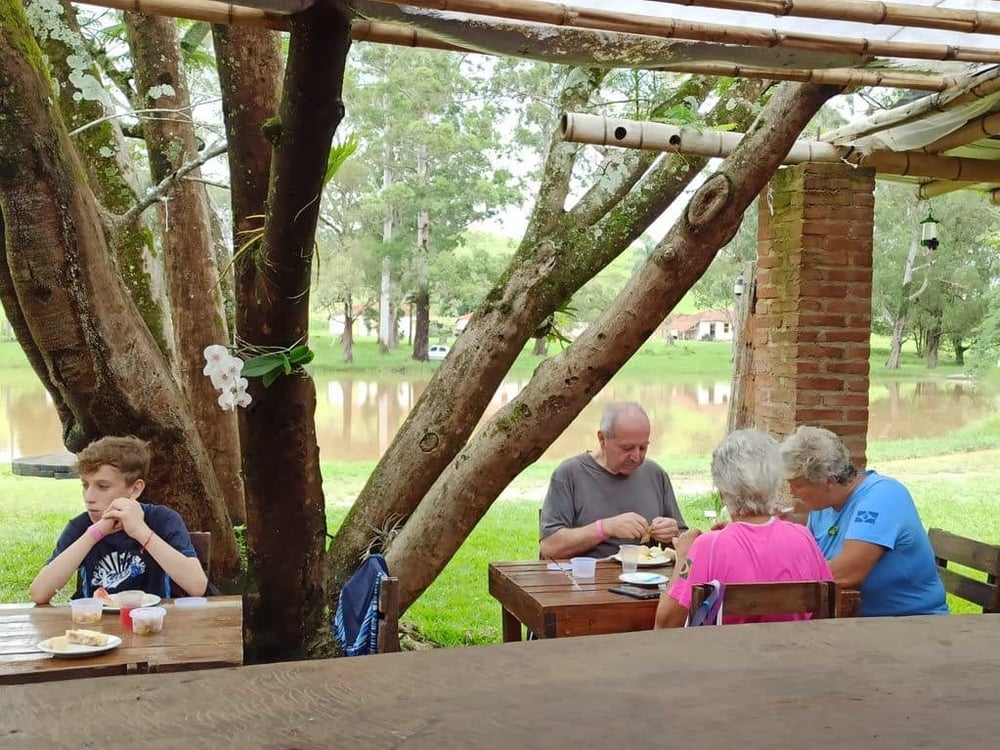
126,514
663,529
626,526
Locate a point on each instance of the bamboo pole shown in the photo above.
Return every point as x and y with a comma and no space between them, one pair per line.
934,188
982,127
633,23
211,11
655,136
866,11
973,88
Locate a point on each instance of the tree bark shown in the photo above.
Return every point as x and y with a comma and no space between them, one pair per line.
896,344
422,298
561,250
347,339
285,614
563,385
934,342
78,318
540,347
907,298
197,310
960,351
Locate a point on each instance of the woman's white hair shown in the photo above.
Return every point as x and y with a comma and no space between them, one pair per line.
746,469
815,454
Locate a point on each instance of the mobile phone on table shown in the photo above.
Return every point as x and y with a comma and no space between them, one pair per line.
635,592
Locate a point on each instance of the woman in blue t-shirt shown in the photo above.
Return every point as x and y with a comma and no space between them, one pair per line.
866,525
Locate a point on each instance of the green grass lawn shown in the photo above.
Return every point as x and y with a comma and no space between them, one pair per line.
952,479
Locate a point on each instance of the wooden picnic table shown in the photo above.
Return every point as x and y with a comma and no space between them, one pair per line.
867,683
545,601
192,638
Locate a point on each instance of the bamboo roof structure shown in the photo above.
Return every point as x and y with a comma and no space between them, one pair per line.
943,54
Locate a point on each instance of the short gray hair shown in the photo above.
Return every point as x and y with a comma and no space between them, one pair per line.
616,411
746,469
814,454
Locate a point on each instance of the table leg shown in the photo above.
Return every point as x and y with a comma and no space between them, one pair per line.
511,627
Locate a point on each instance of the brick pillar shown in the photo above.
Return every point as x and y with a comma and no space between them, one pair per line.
812,330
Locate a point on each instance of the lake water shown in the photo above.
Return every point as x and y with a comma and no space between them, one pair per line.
357,418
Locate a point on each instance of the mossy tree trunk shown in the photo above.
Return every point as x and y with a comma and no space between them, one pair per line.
192,275
73,313
561,250
285,615
562,386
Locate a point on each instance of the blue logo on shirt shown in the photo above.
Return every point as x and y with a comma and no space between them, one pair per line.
866,516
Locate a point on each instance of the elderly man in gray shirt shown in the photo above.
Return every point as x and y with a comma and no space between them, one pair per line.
598,501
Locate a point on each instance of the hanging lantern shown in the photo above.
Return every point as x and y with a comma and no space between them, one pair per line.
928,232
738,286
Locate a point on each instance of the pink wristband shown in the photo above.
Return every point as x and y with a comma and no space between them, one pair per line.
95,533
599,527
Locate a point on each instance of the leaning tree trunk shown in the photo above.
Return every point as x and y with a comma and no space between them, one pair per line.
517,435
906,299
196,298
285,614
110,172
78,318
562,249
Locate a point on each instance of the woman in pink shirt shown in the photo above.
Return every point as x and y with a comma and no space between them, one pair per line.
756,547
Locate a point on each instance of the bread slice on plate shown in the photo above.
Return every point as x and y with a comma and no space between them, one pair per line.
87,637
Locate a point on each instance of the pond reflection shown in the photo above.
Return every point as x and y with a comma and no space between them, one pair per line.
357,418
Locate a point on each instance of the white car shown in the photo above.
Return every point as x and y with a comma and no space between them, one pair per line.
438,352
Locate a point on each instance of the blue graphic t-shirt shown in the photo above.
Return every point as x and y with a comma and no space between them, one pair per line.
881,511
115,562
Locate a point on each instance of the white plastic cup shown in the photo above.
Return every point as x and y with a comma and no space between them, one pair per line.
629,553
86,611
147,620
583,567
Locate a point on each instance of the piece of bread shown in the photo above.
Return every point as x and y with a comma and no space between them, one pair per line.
87,637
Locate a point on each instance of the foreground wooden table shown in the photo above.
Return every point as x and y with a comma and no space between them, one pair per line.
192,638
885,684
546,602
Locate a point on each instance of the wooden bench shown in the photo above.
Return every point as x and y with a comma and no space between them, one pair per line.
979,556
822,599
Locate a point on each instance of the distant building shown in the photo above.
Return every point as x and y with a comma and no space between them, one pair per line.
461,322
710,325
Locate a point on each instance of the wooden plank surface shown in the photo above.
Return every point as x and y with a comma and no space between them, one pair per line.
192,638
868,683
546,602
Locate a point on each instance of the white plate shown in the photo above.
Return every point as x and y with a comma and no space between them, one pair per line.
148,600
658,562
59,646
643,579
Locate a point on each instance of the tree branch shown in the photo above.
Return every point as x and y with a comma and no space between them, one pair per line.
157,192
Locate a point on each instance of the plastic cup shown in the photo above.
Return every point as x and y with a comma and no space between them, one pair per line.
128,601
147,620
86,611
629,554
583,567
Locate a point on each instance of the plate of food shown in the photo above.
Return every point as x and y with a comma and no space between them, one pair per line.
111,601
643,579
651,557
79,643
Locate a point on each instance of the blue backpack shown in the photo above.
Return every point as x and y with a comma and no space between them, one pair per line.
355,626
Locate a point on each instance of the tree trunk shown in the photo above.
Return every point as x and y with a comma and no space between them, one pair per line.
285,614
78,317
516,436
742,401
198,314
896,345
422,297
540,347
562,249
385,323
347,339
933,344
960,351
250,69
110,172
